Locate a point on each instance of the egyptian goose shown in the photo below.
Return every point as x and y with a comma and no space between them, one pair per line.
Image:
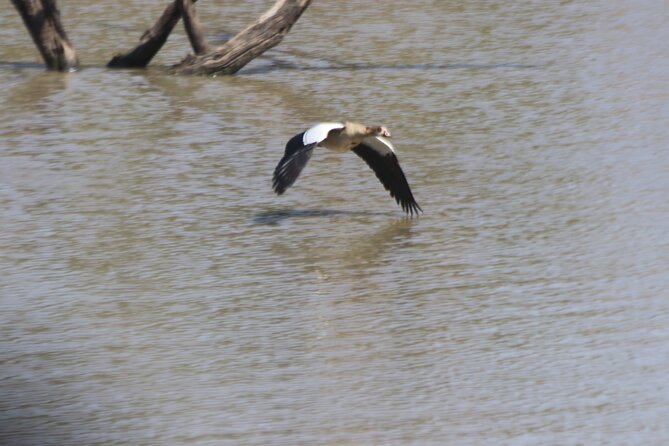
368,142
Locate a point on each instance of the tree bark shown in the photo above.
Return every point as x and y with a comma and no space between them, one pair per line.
151,41
194,29
42,19
265,33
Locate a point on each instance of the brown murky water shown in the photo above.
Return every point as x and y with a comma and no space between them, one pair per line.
153,290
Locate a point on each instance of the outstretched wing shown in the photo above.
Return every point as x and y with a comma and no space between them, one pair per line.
320,131
294,159
298,151
378,153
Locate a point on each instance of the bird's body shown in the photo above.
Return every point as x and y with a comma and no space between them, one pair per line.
344,139
368,142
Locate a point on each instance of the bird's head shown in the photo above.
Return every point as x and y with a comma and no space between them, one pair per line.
378,130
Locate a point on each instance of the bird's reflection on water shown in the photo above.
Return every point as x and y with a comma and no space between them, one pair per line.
273,217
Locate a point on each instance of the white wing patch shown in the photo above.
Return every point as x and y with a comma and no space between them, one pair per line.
319,132
380,144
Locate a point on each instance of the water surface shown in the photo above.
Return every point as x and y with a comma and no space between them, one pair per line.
153,289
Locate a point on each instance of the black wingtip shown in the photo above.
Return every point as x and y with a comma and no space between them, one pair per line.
277,185
408,203
412,208
291,164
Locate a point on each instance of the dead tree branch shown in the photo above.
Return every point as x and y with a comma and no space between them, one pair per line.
42,19
151,41
194,29
265,33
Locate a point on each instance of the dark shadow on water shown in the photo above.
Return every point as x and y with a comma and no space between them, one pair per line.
19,65
22,65
282,65
294,59
277,216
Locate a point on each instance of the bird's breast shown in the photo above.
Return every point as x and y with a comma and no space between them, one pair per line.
340,143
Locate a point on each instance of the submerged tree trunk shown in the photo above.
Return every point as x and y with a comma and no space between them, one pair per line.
193,28
151,41
265,33
42,19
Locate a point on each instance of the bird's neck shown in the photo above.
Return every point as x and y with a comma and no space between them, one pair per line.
355,130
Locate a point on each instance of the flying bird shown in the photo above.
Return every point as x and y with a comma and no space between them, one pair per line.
368,142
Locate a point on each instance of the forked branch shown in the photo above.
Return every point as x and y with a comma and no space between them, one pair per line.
42,19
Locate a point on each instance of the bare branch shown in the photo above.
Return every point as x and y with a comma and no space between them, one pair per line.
151,41
265,33
194,29
42,19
